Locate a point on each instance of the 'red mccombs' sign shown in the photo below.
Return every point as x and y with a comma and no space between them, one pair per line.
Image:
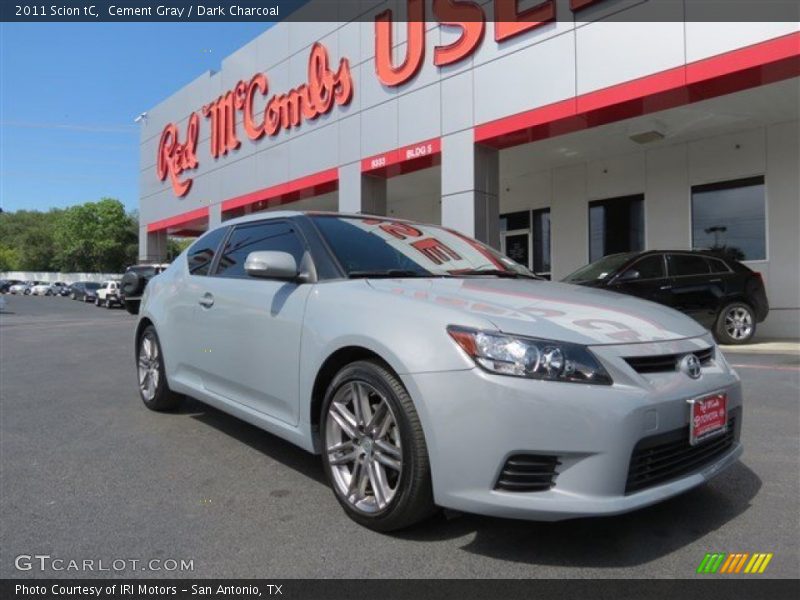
325,88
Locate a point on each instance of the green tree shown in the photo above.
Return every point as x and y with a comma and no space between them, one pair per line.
9,259
96,236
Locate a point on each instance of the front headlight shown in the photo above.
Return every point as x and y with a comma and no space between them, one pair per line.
529,357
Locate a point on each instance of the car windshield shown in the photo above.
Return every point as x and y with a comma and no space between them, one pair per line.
600,270
374,247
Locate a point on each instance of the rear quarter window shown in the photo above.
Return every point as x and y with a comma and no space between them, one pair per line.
201,253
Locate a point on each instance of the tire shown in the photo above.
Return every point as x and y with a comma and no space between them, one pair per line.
108,304
162,398
736,324
132,284
72,295
97,301
407,496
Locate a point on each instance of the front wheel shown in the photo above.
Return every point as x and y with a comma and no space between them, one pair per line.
374,451
153,388
736,324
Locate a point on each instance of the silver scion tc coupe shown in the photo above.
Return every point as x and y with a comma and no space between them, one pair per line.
429,370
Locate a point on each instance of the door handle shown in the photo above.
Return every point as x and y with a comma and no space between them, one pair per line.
207,301
716,281
665,287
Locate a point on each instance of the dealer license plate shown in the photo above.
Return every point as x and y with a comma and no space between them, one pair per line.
708,417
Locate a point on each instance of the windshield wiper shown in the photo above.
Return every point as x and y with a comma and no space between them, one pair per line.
388,273
495,272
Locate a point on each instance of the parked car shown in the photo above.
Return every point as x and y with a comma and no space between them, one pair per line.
56,288
5,285
720,293
40,289
18,288
108,294
85,291
429,370
134,281
65,289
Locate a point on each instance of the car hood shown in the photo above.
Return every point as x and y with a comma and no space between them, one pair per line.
557,311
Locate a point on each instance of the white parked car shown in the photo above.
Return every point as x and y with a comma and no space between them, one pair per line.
40,289
108,295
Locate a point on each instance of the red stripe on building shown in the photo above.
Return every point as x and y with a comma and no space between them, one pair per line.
179,221
404,160
734,71
283,193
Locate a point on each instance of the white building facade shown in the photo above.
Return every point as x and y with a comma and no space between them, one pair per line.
559,134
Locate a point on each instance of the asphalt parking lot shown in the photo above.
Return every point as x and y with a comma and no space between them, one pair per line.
86,472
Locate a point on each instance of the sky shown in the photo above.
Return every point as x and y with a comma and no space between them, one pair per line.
69,94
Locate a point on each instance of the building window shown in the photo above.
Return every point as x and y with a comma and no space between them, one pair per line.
515,236
541,242
616,225
730,217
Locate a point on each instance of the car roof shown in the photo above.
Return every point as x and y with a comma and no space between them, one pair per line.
287,214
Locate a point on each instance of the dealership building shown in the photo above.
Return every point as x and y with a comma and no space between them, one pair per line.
556,131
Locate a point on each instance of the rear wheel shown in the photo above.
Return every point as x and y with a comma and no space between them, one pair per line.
374,451
736,324
153,388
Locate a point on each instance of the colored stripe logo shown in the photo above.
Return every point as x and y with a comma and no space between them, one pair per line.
735,562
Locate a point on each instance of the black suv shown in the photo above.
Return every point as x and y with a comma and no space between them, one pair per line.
720,293
134,281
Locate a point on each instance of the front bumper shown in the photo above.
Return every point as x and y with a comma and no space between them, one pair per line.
474,421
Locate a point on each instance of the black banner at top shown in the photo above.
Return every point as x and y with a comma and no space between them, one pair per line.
147,11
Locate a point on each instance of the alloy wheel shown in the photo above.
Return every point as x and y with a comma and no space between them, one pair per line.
739,323
148,367
363,447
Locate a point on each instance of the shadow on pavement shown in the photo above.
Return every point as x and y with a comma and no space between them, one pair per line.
270,445
626,540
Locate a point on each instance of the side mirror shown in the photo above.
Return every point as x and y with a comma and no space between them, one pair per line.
630,275
269,264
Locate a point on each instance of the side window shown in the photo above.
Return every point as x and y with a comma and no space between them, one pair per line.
681,265
650,267
201,254
717,266
273,235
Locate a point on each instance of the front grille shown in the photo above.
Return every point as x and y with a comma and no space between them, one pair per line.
667,362
661,458
528,473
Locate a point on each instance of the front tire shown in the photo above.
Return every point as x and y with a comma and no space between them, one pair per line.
153,388
736,324
374,452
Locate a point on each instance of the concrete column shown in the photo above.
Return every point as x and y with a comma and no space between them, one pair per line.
360,193
152,246
471,188
214,215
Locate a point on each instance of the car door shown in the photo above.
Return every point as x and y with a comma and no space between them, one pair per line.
645,278
695,290
251,327
186,354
